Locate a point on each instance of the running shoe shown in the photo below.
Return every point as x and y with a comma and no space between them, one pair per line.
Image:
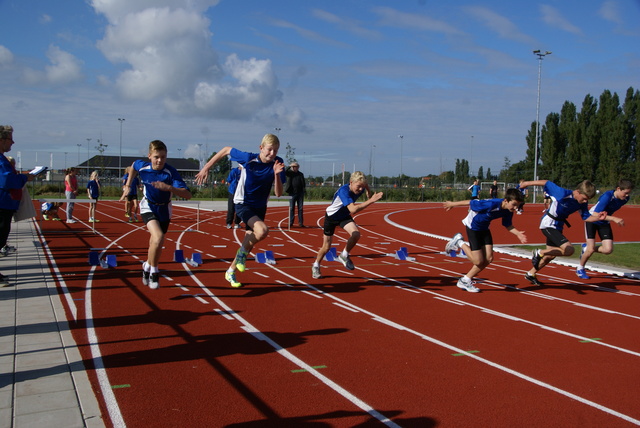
582,274
532,279
315,272
346,261
454,243
71,220
535,259
241,260
228,226
145,277
231,277
8,249
44,216
154,281
468,286
4,282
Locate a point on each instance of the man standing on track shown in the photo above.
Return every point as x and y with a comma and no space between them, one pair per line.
160,181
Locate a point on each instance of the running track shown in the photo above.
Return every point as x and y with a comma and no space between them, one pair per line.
392,343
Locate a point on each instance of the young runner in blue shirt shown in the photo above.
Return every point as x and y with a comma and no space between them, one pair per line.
479,249
260,172
610,202
93,192
564,202
161,181
339,213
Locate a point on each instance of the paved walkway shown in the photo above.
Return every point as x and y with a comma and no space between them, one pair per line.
42,378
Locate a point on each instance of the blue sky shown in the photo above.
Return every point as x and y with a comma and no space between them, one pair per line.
342,80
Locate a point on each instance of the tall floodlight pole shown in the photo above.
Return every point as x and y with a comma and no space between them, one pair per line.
88,146
120,156
401,139
540,55
79,145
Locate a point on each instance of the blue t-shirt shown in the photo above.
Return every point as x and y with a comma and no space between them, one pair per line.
256,179
94,189
562,206
475,190
341,199
155,200
232,179
483,211
609,203
133,190
11,184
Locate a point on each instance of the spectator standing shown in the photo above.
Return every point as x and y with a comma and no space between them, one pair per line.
296,188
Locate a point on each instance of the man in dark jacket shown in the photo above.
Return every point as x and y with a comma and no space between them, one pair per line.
295,187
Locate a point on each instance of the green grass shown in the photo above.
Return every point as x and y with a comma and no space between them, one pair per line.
624,255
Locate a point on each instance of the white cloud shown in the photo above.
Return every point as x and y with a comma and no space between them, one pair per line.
499,24
64,68
6,57
554,18
415,21
166,45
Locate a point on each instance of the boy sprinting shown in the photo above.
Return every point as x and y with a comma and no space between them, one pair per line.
160,181
339,213
610,202
564,202
479,249
260,172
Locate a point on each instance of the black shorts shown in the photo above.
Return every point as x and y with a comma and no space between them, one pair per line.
132,197
604,231
148,216
478,239
330,224
246,212
555,238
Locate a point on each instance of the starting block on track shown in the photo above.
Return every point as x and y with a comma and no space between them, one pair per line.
266,257
94,258
402,254
331,255
195,260
178,256
454,253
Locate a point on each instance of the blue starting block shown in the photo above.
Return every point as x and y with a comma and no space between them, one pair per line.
266,257
195,260
94,258
402,254
112,261
178,256
331,255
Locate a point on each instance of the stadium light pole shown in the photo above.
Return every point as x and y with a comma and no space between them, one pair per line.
79,145
401,140
88,146
120,156
540,56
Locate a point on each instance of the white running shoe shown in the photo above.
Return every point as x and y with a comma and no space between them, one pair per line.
454,243
315,272
468,286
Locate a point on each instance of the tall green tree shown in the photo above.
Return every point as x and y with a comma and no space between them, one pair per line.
552,149
569,133
613,147
588,148
631,113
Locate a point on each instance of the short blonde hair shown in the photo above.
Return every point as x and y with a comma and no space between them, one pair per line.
587,188
358,177
270,140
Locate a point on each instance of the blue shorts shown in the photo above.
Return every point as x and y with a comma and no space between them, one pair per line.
246,212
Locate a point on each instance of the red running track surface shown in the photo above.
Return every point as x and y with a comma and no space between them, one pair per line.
393,342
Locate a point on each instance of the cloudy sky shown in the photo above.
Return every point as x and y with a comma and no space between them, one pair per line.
340,81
